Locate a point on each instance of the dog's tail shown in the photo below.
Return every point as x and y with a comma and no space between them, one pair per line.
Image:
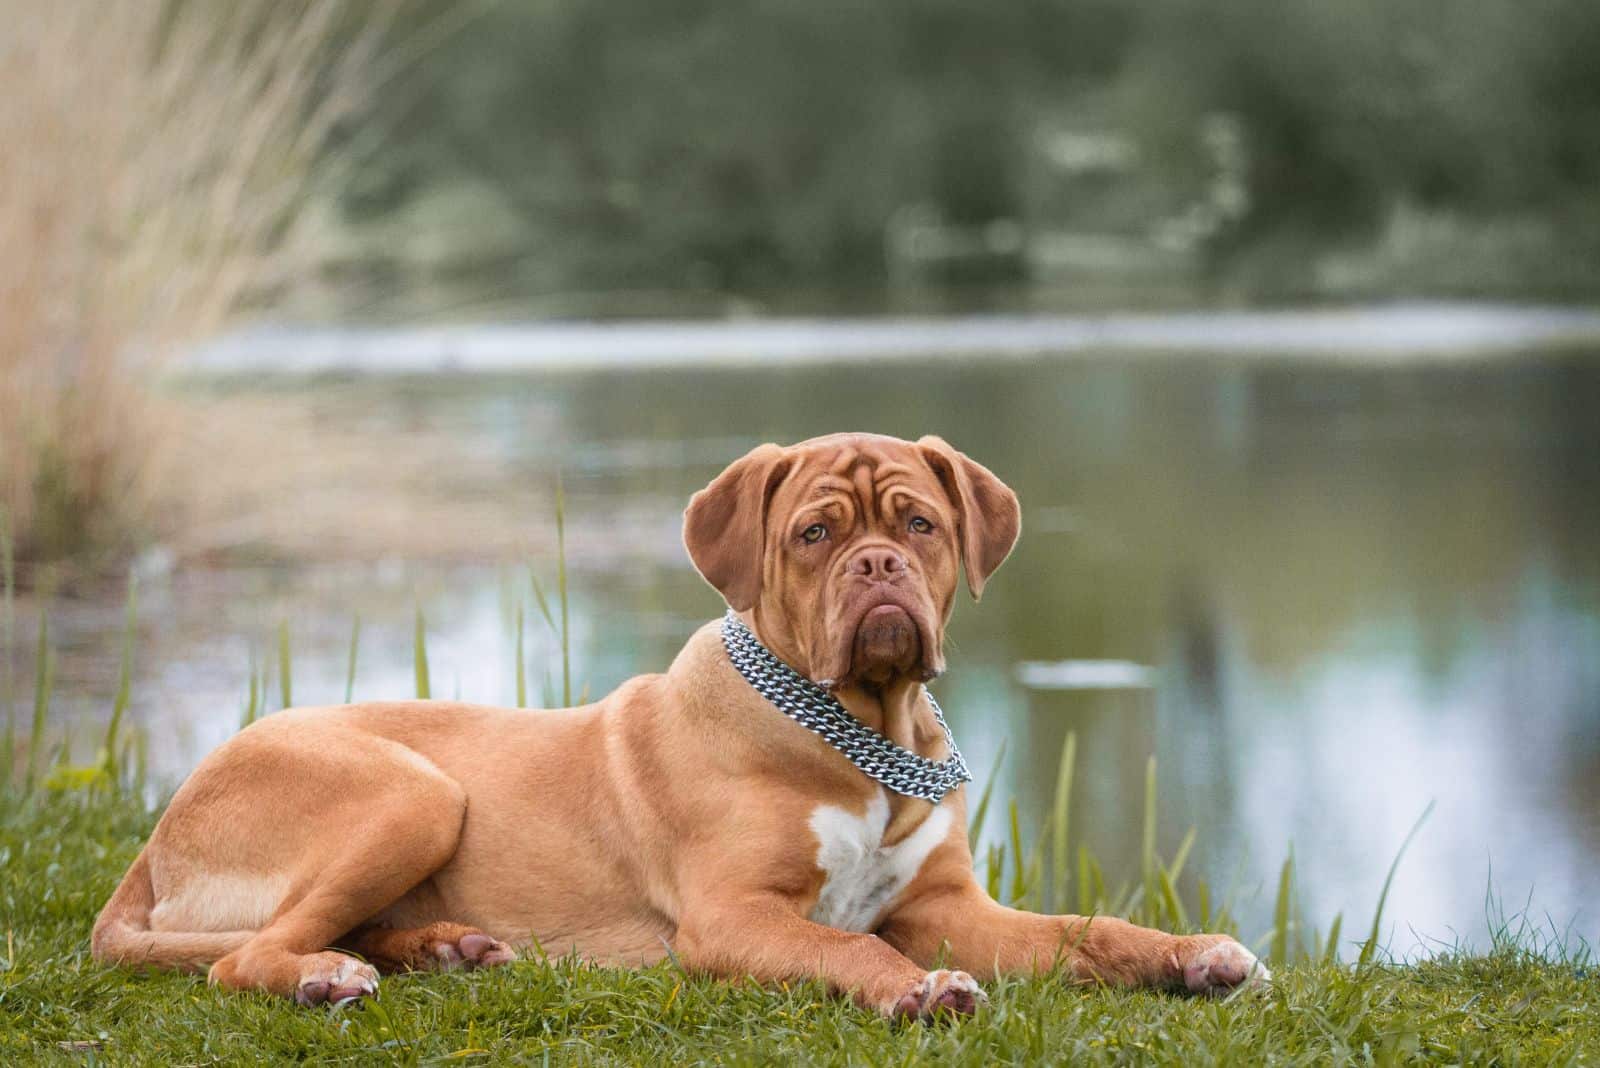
122,933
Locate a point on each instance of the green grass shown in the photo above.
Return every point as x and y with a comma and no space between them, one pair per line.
68,832
61,853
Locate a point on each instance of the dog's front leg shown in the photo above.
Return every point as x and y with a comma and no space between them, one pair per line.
961,924
764,937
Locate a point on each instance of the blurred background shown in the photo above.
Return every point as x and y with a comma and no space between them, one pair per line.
1281,316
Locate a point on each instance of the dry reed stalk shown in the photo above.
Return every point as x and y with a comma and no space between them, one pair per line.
157,162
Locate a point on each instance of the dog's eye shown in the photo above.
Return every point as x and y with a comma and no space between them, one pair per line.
814,533
920,525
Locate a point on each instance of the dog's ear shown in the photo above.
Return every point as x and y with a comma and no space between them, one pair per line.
989,516
724,527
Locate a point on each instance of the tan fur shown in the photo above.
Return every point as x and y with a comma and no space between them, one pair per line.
675,815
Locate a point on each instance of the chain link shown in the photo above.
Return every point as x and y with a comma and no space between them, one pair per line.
815,709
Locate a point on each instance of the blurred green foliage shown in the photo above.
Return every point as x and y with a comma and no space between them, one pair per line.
568,145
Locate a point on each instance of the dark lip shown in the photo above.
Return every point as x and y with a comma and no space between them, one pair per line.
886,595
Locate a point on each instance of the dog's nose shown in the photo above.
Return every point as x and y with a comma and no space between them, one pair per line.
879,565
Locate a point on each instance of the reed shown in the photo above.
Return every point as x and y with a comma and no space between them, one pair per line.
162,165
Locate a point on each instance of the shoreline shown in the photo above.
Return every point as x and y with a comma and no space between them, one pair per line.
1389,333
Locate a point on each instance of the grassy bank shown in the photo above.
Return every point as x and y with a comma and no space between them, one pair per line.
62,852
69,827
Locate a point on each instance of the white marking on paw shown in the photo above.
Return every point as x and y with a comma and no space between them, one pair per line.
942,981
1225,967
940,991
862,875
336,979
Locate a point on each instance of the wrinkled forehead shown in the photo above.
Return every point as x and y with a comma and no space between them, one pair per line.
847,477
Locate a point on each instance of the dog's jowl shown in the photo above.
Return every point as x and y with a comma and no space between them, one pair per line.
786,801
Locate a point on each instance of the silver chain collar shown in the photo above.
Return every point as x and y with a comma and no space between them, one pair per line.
818,711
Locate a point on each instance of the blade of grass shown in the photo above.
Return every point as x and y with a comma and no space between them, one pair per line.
1177,918
1298,948
8,627
1036,868
1280,912
253,695
43,666
1147,854
119,706
1085,901
522,665
64,747
1060,820
1330,952
1091,883
140,744
1019,881
542,601
420,653
355,646
284,668
561,588
995,875
1181,858
1370,946
975,825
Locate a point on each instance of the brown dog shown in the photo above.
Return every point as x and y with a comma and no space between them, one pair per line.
683,813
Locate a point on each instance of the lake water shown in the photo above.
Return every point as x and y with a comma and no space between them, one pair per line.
1337,590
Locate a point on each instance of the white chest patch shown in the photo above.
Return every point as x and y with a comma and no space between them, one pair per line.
862,875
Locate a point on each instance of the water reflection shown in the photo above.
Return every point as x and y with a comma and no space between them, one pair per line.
1359,589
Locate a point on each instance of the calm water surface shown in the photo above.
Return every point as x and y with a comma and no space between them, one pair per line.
1353,589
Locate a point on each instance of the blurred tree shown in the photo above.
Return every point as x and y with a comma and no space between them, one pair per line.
741,146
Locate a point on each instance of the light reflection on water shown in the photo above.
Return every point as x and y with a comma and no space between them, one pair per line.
1359,589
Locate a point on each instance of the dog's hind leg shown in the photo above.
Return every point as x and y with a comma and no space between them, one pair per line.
290,836
371,850
436,947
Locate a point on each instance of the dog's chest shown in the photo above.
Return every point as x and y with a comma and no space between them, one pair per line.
862,876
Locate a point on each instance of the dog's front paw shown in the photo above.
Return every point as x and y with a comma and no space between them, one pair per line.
1216,965
334,979
955,993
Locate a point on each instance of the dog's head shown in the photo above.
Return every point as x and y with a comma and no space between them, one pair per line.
846,550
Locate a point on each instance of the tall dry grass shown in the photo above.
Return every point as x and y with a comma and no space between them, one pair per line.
157,160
